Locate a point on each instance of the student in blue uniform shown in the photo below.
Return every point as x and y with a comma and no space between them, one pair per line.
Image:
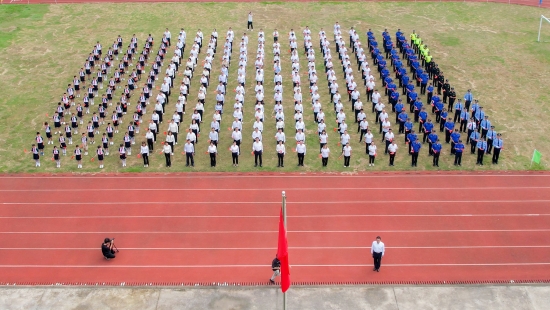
398,109
481,148
458,110
427,128
408,129
402,117
459,149
443,119
491,136
429,95
464,115
468,98
411,137
449,128
497,144
474,138
432,138
455,137
436,151
415,149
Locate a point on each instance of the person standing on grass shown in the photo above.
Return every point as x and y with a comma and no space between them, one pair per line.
325,153
415,149
78,157
257,150
122,154
145,154
234,149
481,148
497,144
167,150
377,250
392,149
189,149
372,153
281,151
459,149
346,152
213,152
249,25
436,151
100,155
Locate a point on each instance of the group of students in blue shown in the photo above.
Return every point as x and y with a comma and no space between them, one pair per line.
412,63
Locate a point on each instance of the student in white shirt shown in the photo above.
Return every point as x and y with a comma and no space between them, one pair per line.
281,151
213,151
346,152
377,250
145,154
234,149
167,153
372,153
257,150
325,152
301,151
392,149
189,150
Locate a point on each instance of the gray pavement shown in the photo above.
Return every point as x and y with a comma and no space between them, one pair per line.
517,297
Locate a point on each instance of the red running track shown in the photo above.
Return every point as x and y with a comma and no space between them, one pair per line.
220,228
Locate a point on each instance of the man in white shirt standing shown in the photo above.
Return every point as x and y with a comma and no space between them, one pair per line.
377,250
257,150
250,26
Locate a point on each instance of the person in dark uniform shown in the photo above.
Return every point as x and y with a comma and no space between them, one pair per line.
436,151
452,98
446,90
107,248
276,267
459,149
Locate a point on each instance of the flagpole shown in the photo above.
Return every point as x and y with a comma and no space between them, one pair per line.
284,220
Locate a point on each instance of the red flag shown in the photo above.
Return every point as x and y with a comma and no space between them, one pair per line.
282,255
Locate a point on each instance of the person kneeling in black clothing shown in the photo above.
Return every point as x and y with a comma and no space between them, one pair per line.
107,249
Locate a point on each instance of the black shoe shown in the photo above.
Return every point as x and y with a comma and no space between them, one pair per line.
282,166
256,165
377,270
373,269
261,166
272,282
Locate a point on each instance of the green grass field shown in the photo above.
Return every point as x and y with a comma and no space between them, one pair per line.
490,48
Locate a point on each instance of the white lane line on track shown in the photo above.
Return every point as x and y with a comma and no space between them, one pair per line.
271,216
339,202
276,189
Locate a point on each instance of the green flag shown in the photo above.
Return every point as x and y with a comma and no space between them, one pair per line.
536,157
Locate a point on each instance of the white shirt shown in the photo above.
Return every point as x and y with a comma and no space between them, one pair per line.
377,248
188,148
347,150
212,149
301,148
281,149
372,150
257,146
392,148
325,152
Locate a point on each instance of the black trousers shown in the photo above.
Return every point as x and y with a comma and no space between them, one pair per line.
213,159
458,158
496,154
377,260
324,160
235,157
168,160
280,159
414,159
249,25
301,159
436,159
189,158
346,160
480,154
111,254
145,159
392,158
257,156
150,144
